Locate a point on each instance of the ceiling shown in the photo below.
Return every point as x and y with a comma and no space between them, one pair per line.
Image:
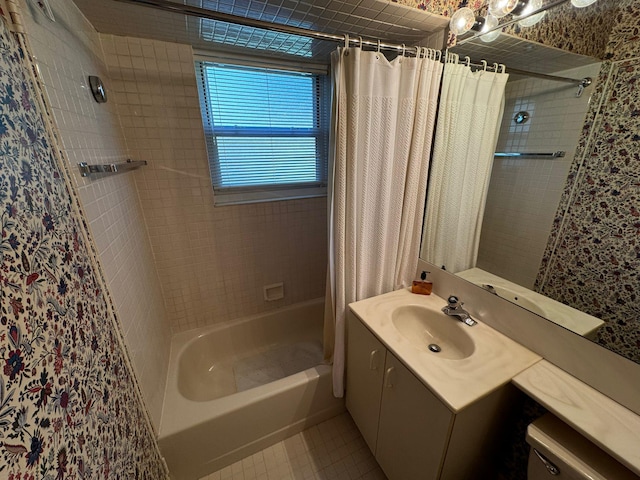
377,19
517,53
371,19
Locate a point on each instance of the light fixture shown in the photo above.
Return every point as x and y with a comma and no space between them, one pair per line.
500,8
464,20
529,20
490,23
582,3
524,12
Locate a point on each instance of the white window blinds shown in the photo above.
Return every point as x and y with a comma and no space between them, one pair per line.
266,131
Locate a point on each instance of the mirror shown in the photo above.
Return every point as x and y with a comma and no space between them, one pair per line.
549,241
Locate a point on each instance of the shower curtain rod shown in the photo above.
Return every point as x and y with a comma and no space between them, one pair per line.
581,82
191,11
274,27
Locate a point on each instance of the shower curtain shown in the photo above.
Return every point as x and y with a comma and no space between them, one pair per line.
471,107
384,115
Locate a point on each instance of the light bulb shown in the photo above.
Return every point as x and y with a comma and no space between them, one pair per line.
500,8
582,3
462,21
531,20
489,22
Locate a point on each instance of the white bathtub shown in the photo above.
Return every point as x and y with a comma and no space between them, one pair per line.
214,415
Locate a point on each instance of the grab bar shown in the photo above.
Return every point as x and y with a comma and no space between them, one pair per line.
558,154
86,169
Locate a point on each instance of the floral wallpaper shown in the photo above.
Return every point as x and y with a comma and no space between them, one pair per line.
625,35
580,30
592,259
68,403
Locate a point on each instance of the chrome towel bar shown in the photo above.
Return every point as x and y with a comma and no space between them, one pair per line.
557,154
86,169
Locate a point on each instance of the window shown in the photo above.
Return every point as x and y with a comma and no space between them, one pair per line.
266,131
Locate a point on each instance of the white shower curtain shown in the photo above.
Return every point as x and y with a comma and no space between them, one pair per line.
471,107
384,115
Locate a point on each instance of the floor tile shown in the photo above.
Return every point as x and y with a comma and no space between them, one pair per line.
331,450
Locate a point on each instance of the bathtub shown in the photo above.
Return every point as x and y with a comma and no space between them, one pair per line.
232,391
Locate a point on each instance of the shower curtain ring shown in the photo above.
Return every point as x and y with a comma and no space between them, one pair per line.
404,48
346,40
418,51
484,65
378,45
361,43
503,68
495,67
467,61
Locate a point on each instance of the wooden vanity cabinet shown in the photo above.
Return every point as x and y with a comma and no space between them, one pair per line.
412,434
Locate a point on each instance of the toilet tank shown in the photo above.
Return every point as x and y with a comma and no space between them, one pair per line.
555,446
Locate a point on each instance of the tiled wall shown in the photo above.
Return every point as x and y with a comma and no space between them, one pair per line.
212,262
69,406
592,259
524,192
66,52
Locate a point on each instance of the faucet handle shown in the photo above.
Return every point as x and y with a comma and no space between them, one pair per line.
453,301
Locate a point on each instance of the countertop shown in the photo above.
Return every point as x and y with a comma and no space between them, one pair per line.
495,360
603,421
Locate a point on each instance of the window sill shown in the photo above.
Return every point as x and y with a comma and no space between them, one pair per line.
221,199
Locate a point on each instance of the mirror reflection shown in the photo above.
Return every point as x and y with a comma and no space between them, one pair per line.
560,224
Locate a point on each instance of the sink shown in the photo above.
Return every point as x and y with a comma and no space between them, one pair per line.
423,327
519,299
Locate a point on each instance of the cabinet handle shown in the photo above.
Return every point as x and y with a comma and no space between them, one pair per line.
551,468
373,364
387,379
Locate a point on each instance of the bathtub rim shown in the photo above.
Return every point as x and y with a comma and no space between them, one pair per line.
187,461
181,340
199,411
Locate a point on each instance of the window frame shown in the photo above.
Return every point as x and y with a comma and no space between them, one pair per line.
228,195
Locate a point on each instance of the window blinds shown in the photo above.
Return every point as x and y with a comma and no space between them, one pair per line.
266,130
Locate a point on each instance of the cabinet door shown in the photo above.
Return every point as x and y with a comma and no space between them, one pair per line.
414,426
365,368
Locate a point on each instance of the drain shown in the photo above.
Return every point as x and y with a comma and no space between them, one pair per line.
434,348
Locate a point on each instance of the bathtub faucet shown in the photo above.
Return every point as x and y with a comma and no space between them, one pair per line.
454,309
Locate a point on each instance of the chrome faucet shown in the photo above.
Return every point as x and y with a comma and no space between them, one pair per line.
454,309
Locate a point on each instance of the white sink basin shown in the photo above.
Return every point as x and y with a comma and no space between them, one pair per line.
474,361
424,328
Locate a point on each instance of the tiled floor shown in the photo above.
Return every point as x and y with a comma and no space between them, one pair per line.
332,450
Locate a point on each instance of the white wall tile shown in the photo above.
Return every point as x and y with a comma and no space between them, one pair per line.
524,192
67,52
212,262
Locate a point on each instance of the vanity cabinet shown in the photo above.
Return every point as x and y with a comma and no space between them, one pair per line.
413,426
412,434
365,373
